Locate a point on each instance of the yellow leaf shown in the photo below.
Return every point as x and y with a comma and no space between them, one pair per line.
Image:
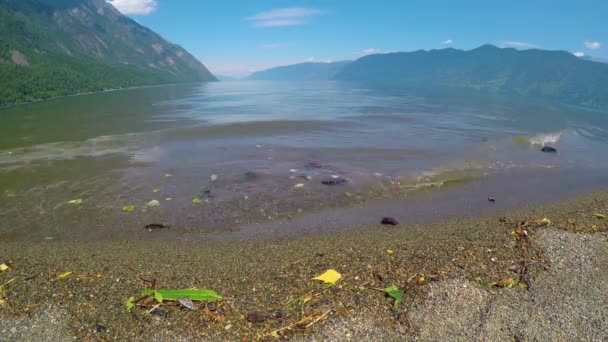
421,280
63,275
169,199
3,267
329,277
599,216
307,299
390,251
156,190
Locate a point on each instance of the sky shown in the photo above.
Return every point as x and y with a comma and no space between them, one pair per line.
236,38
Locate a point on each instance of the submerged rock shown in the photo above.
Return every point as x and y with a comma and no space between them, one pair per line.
156,226
389,221
548,149
338,181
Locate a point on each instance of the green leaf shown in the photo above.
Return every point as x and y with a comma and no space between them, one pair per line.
128,208
522,285
158,296
129,304
394,292
196,200
599,216
195,295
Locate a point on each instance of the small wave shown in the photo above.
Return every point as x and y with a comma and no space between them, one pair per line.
540,139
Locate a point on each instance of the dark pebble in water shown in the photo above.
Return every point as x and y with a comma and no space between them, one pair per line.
212,307
331,182
315,165
491,199
279,314
256,317
390,221
156,226
251,175
549,149
100,328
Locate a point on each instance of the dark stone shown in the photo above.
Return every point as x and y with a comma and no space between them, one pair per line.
256,317
159,312
212,307
315,165
250,175
548,149
319,254
390,221
156,226
491,199
332,182
279,314
100,328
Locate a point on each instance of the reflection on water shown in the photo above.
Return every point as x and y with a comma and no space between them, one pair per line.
271,145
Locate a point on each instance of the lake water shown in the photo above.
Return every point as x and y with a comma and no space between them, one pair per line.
257,155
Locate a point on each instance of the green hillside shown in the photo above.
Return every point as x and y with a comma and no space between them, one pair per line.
59,47
537,73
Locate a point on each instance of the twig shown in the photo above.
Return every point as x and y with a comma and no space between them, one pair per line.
319,318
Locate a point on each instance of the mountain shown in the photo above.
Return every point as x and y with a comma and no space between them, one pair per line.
538,73
594,59
300,72
225,78
59,47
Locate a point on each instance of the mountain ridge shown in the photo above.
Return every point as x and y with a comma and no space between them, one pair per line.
52,48
532,72
300,71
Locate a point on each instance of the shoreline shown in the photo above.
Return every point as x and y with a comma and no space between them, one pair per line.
257,278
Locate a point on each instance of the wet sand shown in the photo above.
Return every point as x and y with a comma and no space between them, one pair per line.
459,259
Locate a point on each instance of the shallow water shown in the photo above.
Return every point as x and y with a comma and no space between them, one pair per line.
271,145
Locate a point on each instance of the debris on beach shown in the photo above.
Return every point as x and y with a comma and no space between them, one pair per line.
156,226
299,185
548,149
394,292
196,200
63,275
389,221
168,198
168,175
214,177
176,295
330,276
155,190
491,199
76,201
128,208
599,216
187,303
4,267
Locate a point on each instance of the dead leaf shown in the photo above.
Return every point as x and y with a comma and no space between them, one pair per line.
504,282
63,275
599,216
3,267
329,277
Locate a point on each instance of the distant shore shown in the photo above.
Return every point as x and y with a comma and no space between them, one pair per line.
509,275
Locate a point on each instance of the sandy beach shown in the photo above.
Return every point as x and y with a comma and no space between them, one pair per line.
461,279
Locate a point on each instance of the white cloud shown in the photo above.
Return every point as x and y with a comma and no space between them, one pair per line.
366,52
283,17
579,54
135,7
593,45
521,45
447,42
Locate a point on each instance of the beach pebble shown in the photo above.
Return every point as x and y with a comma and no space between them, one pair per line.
332,182
389,221
256,317
548,149
491,199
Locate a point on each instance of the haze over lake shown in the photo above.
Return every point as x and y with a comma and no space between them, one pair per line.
254,152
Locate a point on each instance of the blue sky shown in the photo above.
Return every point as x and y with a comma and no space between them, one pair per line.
238,37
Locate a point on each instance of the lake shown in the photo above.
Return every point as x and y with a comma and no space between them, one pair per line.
251,159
